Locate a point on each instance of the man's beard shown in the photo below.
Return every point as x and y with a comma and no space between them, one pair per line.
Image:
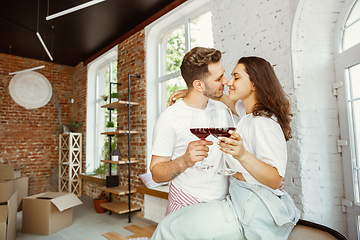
212,94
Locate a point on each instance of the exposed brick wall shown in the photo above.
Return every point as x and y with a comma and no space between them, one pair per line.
78,108
33,144
91,189
131,60
29,137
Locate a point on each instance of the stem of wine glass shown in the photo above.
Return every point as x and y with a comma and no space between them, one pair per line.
223,168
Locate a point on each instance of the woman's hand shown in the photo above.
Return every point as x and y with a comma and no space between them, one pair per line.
176,95
261,171
234,145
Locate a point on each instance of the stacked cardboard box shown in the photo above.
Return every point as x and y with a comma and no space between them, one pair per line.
44,213
13,188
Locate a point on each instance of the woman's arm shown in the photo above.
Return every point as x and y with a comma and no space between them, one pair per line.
224,99
262,172
176,95
228,102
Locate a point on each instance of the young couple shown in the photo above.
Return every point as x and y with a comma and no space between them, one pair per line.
251,206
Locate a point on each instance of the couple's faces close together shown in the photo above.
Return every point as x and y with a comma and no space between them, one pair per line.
240,86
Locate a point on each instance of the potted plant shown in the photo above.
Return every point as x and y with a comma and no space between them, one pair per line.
73,126
115,155
114,97
110,126
102,198
104,97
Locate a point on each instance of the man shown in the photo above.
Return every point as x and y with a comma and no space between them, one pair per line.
176,150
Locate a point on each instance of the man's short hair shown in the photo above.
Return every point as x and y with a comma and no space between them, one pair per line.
195,64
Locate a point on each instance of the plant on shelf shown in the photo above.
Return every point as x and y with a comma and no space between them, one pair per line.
110,126
73,125
105,152
114,97
115,154
104,97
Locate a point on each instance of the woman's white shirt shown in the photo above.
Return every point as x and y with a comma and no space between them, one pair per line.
264,138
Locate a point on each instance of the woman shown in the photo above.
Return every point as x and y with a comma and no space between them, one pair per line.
255,207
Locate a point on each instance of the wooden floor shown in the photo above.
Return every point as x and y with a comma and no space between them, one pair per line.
138,232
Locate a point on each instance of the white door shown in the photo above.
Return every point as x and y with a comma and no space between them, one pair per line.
347,87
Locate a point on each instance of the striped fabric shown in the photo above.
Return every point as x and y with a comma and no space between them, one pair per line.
178,199
146,178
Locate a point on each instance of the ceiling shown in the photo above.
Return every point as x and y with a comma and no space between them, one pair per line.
78,36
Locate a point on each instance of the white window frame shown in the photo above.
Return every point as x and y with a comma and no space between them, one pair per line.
161,54
185,20
344,60
92,127
154,33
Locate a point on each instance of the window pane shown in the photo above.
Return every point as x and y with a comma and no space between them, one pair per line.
112,75
103,76
356,129
354,122
114,67
172,50
358,226
354,79
351,36
201,31
354,14
356,186
168,87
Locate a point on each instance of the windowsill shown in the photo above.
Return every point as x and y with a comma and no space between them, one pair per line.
160,192
94,178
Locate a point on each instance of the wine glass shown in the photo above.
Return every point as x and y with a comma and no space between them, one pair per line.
221,122
200,123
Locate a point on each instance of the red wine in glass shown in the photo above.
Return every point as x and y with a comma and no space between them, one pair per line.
221,132
221,122
199,126
201,133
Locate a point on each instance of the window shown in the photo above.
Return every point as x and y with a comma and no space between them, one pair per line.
172,31
100,73
347,62
191,32
106,74
351,28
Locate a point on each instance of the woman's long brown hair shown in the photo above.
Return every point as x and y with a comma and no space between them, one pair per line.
272,100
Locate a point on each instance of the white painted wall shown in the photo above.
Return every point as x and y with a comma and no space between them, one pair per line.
317,125
155,208
297,37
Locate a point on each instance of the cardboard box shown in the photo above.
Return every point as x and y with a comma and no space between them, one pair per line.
8,218
7,172
49,212
21,185
7,188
